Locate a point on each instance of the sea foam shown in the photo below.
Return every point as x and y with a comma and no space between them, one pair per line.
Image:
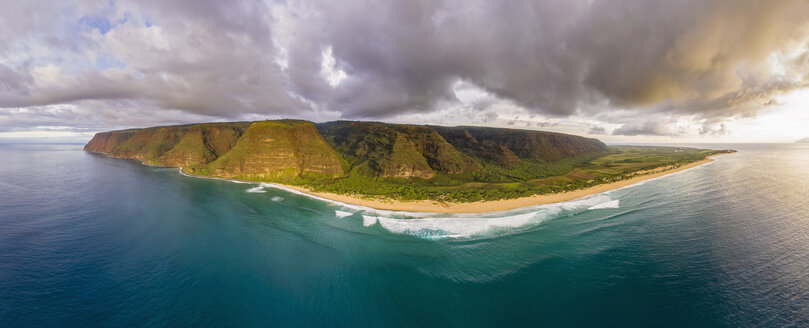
257,189
469,226
610,204
369,220
448,227
342,214
438,225
443,225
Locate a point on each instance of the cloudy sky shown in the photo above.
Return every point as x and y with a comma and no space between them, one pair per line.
619,70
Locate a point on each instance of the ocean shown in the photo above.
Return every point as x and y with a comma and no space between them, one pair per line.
91,241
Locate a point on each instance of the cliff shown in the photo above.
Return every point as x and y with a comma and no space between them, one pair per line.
265,150
203,143
391,150
289,150
178,146
510,147
278,150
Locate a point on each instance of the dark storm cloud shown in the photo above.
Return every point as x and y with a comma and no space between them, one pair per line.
204,57
13,86
647,128
598,130
557,57
708,59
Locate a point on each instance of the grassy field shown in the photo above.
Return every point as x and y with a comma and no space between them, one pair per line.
497,182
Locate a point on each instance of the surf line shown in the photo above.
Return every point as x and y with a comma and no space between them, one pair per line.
417,214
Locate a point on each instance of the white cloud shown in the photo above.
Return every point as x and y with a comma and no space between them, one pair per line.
329,70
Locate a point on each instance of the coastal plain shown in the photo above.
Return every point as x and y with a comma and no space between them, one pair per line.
432,206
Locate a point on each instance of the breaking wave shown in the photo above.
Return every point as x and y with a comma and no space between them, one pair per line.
449,227
441,225
470,226
257,189
610,204
342,214
459,226
368,220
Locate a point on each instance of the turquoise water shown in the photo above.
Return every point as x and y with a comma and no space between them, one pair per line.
89,241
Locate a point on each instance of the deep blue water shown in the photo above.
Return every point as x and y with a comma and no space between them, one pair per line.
90,241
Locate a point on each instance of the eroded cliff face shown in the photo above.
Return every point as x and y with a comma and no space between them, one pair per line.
392,150
398,150
284,150
265,150
105,142
148,145
486,150
278,150
202,144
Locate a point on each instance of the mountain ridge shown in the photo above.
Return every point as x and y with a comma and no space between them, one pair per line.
356,157
333,149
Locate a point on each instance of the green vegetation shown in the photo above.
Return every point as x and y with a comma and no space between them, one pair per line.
278,151
202,144
497,182
406,162
391,150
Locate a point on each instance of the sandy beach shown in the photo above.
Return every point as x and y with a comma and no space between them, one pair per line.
492,206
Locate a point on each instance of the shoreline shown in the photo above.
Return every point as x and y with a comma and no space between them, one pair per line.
430,206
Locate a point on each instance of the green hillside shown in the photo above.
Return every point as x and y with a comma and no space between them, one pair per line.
374,159
401,151
278,151
202,144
